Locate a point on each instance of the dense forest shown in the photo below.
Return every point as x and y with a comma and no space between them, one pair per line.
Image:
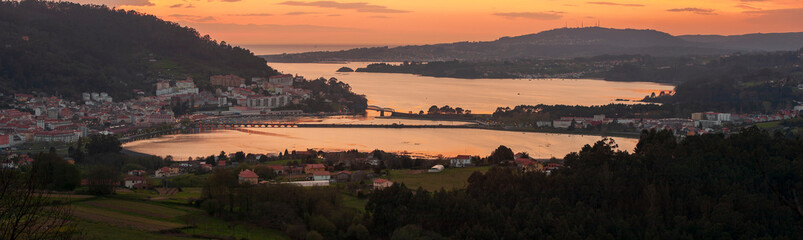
323,90
705,187
70,48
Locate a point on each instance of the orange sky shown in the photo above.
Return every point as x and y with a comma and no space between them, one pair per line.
398,22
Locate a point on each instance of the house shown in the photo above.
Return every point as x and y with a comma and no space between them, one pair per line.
460,161
131,182
309,168
321,176
342,176
528,165
277,169
436,169
206,167
248,176
166,172
380,183
137,173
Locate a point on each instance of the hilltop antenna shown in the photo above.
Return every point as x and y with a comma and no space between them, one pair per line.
581,24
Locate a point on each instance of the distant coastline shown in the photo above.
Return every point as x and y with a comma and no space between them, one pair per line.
271,49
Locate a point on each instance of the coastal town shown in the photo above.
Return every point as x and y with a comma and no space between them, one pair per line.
35,118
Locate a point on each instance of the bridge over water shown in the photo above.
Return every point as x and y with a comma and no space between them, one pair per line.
379,109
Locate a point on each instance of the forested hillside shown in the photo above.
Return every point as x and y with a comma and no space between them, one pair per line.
70,48
745,186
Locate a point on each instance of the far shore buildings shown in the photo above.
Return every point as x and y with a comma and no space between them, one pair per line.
230,80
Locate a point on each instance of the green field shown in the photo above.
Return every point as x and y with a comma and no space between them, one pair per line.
450,178
185,196
354,202
139,215
768,124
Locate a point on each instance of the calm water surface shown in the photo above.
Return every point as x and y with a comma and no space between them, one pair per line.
447,142
407,92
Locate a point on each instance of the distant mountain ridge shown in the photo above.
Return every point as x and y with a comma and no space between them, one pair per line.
563,43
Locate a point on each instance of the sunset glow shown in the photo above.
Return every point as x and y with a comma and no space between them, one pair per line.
419,21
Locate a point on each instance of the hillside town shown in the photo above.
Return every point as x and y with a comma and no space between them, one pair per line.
40,118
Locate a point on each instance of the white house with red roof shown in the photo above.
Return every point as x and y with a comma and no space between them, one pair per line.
460,161
131,181
166,172
380,183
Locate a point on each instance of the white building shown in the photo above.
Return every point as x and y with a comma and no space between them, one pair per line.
321,176
724,117
436,169
133,180
561,123
267,101
460,161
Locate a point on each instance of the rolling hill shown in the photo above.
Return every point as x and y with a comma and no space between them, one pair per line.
68,48
562,43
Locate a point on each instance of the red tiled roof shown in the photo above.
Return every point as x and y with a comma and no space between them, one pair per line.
524,161
463,157
248,174
380,180
315,165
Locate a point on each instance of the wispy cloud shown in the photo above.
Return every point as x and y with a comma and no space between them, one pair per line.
791,16
699,11
549,15
747,6
357,6
300,13
617,4
193,18
176,5
252,15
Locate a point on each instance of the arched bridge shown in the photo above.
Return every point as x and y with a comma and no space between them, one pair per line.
381,110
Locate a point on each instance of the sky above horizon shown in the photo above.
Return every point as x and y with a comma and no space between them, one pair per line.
402,22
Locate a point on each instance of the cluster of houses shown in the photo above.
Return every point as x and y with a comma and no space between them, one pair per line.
699,123
33,118
258,96
52,119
